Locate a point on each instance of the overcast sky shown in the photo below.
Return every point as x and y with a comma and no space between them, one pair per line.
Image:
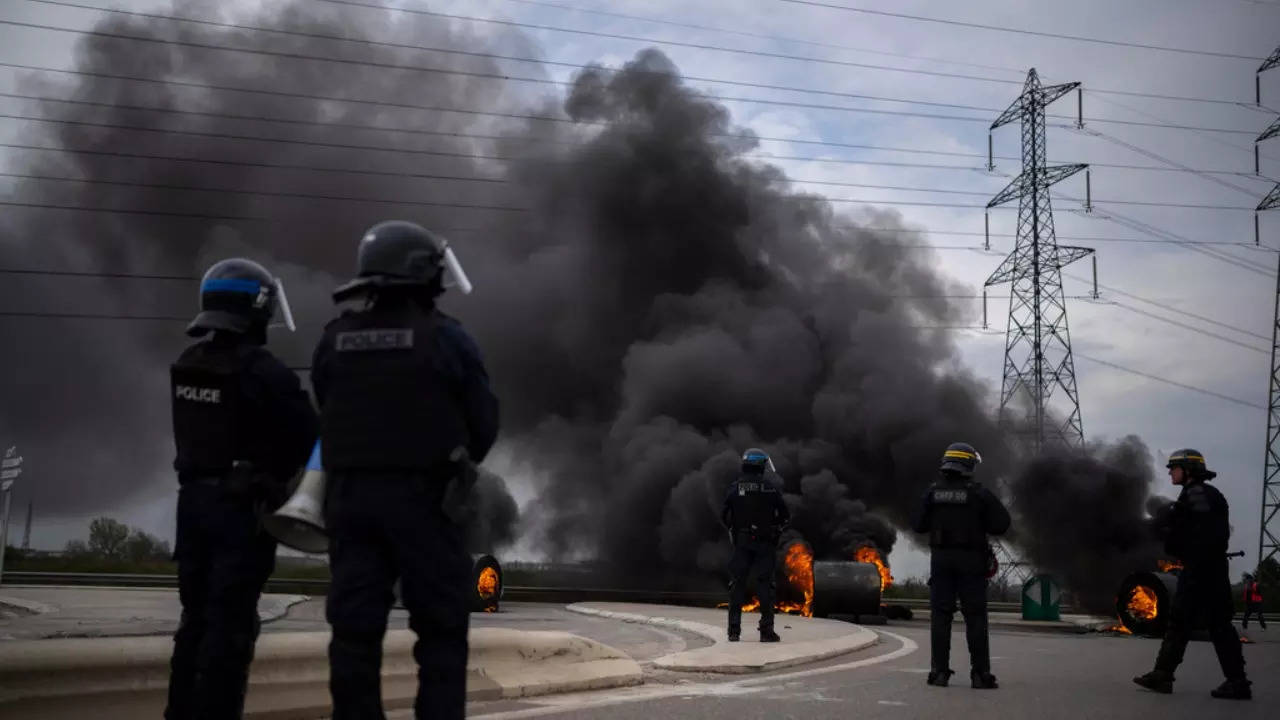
1113,402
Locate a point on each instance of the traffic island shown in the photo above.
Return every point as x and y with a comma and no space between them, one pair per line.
804,640
127,677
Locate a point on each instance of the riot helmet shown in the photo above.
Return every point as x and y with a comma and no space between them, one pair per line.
960,458
401,254
755,461
239,296
1192,463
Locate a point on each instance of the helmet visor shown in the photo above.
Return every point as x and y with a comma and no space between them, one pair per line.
454,275
285,311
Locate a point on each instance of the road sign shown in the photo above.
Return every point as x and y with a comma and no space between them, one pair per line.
10,474
11,462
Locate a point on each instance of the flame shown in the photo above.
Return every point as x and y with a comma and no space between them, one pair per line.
1142,603
1119,628
869,554
1168,565
799,567
798,564
487,586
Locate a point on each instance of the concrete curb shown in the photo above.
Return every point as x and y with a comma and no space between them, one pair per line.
31,606
274,606
723,657
127,677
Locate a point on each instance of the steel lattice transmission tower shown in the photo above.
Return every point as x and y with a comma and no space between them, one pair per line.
1037,359
1269,525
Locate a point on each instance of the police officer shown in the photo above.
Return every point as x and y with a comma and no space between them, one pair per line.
1196,529
755,515
405,408
243,426
959,514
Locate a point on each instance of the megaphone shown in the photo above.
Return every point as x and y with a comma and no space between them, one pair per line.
299,523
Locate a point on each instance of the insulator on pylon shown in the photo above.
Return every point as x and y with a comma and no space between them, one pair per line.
986,222
984,308
1080,107
991,165
1088,192
1095,277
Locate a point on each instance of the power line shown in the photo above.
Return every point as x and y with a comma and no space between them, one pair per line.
546,118
1079,238
1172,309
89,316
575,66
1192,328
739,51
234,191
546,81
1023,31
1174,383
97,274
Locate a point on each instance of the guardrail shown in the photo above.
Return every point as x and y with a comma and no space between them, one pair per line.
517,593
513,593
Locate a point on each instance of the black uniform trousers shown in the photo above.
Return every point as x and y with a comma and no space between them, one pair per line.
1203,599
754,561
1254,609
958,573
384,526
224,559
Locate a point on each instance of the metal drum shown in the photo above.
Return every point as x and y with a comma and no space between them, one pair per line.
486,583
846,588
1144,602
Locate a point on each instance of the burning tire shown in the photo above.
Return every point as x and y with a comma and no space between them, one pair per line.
1144,601
486,581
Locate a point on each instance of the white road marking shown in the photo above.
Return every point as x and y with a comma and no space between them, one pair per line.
890,702
580,701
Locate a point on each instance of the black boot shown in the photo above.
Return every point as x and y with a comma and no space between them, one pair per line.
939,678
983,680
769,636
734,634
1237,689
1156,681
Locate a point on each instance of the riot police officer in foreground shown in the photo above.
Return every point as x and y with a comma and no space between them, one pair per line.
755,514
243,426
959,514
1196,528
405,408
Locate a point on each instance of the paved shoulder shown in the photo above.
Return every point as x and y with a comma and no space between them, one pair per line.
805,640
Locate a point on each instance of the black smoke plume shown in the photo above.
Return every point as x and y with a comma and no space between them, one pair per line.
1084,517
651,301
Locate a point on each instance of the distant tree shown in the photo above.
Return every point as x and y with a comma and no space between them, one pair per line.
107,537
76,548
143,546
1269,573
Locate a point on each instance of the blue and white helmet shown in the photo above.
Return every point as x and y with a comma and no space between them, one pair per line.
238,295
756,461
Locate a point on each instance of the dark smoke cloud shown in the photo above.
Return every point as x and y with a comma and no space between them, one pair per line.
663,303
87,400
1083,516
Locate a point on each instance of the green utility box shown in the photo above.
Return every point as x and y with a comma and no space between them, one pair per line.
1040,599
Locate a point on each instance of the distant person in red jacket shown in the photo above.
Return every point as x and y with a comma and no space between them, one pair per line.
1252,601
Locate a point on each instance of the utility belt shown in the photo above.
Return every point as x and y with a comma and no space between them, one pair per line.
450,484
242,480
943,540
757,534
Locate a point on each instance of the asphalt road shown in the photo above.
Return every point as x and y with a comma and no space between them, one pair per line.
1042,676
641,642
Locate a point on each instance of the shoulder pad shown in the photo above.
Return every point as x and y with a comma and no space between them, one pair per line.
1199,499
342,315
